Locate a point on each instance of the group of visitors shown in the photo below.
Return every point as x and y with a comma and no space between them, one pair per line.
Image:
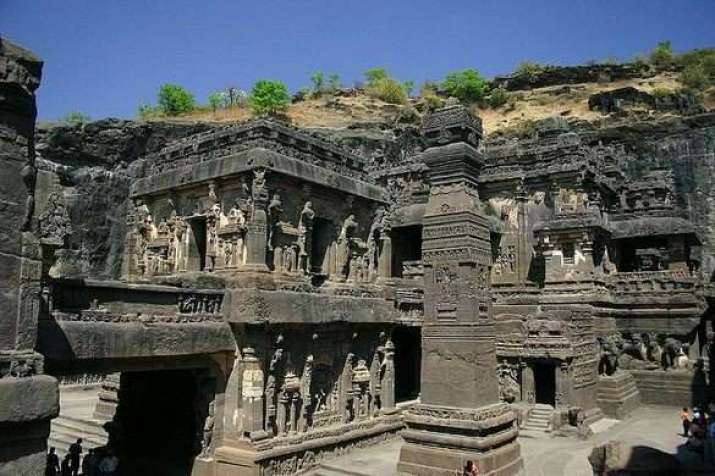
699,429
97,462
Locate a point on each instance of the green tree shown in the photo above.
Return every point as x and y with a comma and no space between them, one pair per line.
217,100
409,86
373,75
662,54
333,82
174,99
318,80
466,85
530,69
269,96
74,117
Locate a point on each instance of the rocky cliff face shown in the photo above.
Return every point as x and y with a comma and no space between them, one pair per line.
93,165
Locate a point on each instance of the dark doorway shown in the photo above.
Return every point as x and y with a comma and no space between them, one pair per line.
322,238
408,361
196,259
545,383
156,423
406,246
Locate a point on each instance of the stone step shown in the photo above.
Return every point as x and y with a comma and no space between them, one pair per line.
537,424
71,425
331,470
65,430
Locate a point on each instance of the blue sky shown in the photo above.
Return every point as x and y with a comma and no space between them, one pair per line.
105,57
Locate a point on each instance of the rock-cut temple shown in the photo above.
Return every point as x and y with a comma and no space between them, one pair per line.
283,300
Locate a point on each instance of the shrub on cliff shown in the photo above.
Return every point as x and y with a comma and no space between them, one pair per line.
429,99
174,99
695,77
74,117
269,97
373,75
389,90
321,86
529,69
497,98
381,85
662,55
466,85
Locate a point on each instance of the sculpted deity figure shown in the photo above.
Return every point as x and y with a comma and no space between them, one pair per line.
275,210
237,217
305,239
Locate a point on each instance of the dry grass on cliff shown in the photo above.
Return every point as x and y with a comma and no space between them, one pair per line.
320,112
565,100
523,106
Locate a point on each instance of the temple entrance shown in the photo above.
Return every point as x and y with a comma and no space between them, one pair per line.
408,360
545,383
157,422
196,259
406,247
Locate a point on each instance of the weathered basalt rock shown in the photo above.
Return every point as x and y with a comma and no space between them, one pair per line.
28,399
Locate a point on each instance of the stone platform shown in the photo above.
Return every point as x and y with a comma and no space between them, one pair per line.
674,387
618,395
648,426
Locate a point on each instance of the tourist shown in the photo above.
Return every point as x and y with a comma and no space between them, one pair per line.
685,417
470,469
53,463
75,453
66,469
89,463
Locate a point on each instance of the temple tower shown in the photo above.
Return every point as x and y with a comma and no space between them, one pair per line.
460,417
28,399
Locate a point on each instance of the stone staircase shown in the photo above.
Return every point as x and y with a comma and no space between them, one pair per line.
539,418
66,429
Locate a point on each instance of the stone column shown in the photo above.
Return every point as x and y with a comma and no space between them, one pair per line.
460,417
523,254
252,395
528,390
28,399
257,227
387,386
384,260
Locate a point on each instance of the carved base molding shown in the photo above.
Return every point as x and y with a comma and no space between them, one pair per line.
297,457
440,440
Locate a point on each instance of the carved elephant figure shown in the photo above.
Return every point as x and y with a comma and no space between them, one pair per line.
608,359
671,349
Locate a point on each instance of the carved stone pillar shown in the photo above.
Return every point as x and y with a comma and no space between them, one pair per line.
388,379
257,227
252,394
523,253
384,261
282,413
28,399
528,389
459,383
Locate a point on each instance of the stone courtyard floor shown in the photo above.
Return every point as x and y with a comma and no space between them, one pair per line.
544,455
